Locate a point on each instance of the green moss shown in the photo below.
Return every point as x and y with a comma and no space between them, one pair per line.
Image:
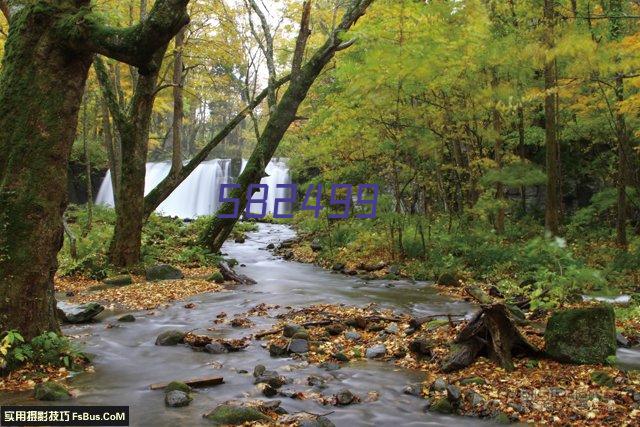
177,385
584,336
441,406
229,414
602,378
51,391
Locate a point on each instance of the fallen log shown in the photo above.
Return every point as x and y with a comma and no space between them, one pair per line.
229,274
196,382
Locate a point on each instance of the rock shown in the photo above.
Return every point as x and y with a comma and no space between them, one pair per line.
335,328
341,357
472,380
51,391
622,340
357,322
276,350
240,239
372,267
413,390
602,378
259,370
177,385
87,313
438,385
350,272
316,381
320,421
268,390
352,336
163,272
272,378
271,246
441,406
291,329
288,255
344,397
516,313
298,346
302,335
421,347
518,408
392,329
316,246
376,351
120,280
582,335
394,269
453,394
177,399
474,398
234,415
338,266
448,279
168,338
127,318
502,418
329,366
215,348
375,327
216,277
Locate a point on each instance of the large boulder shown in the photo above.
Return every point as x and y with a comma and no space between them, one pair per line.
581,335
51,391
86,314
234,415
163,272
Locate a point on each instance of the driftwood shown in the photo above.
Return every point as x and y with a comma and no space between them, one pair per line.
196,382
491,332
328,321
228,274
417,322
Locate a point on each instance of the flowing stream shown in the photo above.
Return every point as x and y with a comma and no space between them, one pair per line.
127,361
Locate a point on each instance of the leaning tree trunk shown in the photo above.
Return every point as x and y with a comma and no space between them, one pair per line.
48,53
41,88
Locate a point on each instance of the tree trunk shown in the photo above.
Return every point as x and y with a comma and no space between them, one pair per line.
178,105
552,208
41,88
47,57
87,162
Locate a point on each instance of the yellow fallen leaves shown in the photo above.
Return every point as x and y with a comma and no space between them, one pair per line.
29,375
149,295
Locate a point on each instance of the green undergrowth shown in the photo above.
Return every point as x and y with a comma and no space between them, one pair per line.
164,240
523,260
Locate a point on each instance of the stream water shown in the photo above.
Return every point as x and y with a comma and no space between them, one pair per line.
127,361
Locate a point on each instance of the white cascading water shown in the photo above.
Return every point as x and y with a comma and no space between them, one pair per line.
199,194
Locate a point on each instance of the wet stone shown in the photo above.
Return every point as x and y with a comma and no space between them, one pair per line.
413,390
438,385
215,348
259,370
344,397
352,336
177,399
299,346
376,351
169,338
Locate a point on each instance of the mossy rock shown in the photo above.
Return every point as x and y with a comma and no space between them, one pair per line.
234,415
120,280
177,385
232,262
442,406
472,380
51,391
127,318
502,418
169,338
582,336
602,378
448,278
216,277
163,272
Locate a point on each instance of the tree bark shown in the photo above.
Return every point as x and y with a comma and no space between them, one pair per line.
178,104
47,57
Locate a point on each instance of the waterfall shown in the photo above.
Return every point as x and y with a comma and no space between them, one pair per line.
199,194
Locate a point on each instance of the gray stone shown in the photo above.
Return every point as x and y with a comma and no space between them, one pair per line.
475,398
622,340
376,351
453,394
438,385
271,246
291,329
299,346
392,329
86,314
352,336
177,399
127,318
341,357
163,272
276,350
316,381
320,421
394,269
413,390
344,397
329,366
338,266
259,370
272,378
215,348
168,338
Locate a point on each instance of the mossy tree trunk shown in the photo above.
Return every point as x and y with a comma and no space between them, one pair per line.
282,115
48,53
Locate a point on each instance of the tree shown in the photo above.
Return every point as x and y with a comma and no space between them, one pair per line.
284,112
48,53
